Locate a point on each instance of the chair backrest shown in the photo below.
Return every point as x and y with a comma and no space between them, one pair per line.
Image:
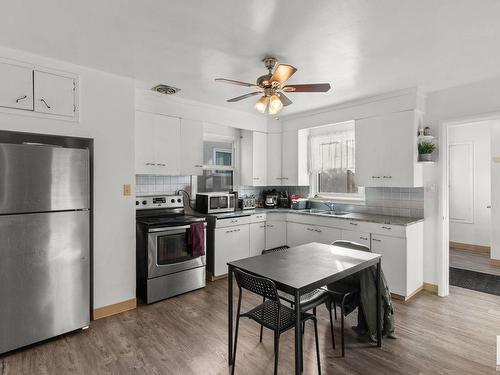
279,248
255,284
351,245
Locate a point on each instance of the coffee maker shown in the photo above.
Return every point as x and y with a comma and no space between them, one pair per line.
271,198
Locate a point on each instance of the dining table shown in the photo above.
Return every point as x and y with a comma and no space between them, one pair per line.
299,270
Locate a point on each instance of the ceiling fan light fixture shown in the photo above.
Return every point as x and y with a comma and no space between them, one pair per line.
275,104
261,104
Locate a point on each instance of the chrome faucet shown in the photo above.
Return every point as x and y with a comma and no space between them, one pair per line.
330,205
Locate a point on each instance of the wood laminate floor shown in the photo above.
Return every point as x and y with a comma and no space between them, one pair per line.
187,335
468,260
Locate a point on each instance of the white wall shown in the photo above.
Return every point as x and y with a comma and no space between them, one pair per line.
495,191
468,102
107,116
476,229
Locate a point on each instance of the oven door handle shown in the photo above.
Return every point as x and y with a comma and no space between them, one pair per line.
172,229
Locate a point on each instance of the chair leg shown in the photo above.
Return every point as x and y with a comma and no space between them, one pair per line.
329,306
317,344
236,334
335,309
342,325
261,326
276,351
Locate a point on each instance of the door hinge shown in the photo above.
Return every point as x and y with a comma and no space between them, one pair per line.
74,108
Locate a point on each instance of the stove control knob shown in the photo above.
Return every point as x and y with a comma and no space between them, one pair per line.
136,203
179,200
172,201
144,202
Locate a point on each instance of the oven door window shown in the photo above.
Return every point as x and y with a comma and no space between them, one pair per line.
172,248
218,202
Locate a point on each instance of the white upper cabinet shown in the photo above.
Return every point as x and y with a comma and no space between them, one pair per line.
157,144
54,94
144,142
191,147
254,148
386,151
294,158
16,88
274,157
167,145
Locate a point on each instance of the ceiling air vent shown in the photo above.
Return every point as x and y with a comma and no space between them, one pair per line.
165,89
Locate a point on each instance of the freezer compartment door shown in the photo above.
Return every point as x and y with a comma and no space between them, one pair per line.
44,276
35,178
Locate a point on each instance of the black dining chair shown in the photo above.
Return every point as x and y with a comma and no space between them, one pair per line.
270,314
346,290
308,301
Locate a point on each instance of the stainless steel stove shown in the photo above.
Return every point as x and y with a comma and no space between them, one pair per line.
165,264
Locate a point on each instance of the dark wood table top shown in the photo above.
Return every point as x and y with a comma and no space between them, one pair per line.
307,267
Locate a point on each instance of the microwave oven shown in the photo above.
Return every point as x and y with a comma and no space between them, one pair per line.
214,203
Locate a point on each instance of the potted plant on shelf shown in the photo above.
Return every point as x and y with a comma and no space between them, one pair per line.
425,150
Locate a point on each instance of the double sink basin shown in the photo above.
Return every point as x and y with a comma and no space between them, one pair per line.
315,211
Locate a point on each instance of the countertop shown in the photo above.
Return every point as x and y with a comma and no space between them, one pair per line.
372,218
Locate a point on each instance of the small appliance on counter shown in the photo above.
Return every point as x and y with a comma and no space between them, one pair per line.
214,203
283,200
271,198
298,203
247,203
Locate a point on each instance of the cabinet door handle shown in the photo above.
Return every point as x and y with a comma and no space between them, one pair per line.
198,166
376,240
375,176
150,163
364,238
161,165
387,176
21,98
270,226
256,178
262,226
318,230
284,178
388,228
351,223
228,231
234,221
310,229
44,102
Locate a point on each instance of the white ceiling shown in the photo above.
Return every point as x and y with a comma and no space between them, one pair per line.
361,47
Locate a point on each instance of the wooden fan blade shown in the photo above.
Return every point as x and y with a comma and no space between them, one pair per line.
313,87
233,82
238,98
284,99
282,73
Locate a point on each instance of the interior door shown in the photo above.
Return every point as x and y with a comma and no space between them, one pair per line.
54,94
44,276
16,90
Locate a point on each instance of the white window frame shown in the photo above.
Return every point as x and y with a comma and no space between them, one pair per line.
348,198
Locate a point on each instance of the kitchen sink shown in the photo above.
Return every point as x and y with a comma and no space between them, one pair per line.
334,213
313,211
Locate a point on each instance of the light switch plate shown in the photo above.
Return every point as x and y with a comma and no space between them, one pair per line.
127,189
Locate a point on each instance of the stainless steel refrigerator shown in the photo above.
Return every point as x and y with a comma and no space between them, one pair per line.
44,242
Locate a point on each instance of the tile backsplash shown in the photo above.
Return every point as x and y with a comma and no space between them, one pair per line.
146,184
408,202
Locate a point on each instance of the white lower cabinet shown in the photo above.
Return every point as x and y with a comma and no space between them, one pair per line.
362,238
275,234
232,243
257,238
393,254
299,234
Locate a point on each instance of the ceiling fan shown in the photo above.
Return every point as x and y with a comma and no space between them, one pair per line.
271,87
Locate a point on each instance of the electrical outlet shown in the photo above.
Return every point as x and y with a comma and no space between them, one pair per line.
127,189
